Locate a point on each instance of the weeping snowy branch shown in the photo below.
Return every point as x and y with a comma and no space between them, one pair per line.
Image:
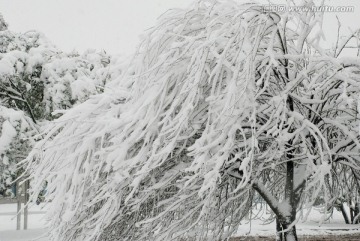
220,100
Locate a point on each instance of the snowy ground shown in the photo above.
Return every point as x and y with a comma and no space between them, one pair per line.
36,224
335,225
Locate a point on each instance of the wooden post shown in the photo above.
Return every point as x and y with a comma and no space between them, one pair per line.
18,198
26,199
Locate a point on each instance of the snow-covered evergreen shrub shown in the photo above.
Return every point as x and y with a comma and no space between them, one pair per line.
40,82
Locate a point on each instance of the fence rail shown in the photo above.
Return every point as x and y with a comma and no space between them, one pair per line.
11,200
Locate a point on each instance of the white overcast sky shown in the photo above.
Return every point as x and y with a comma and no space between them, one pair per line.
113,25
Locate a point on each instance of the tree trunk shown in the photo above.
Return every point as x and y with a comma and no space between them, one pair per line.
279,235
289,235
282,222
343,212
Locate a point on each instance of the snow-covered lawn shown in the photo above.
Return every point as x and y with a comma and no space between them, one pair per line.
8,232
36,223
23,235
335,225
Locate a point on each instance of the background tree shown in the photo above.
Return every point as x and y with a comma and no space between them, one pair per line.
222,100
3,24
345,186
38,83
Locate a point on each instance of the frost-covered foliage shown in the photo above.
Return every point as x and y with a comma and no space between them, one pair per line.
71,79
38,80
221,100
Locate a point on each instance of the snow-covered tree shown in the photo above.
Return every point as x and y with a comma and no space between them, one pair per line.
20,91
3,24
222,101
38,80
345,190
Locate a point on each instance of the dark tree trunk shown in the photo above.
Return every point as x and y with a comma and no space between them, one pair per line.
290,235
351,215
343,212
279,235
284,233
